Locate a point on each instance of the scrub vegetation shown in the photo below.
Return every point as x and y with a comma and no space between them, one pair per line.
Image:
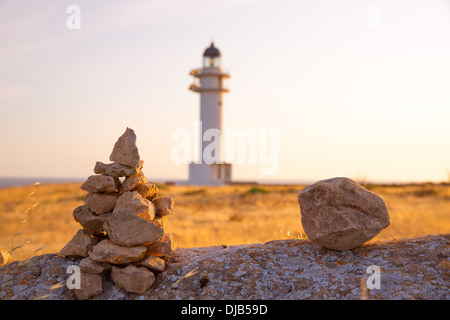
209,216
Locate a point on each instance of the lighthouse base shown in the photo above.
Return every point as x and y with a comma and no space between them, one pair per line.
209,174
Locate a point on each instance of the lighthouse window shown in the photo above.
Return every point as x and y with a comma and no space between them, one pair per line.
209,62
216,62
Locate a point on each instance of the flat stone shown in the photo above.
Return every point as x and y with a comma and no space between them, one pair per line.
339,214
132,279
101,202
116,170
153,263
108,251
101,183
80,245
89,220
131,223
88,265
133,181
125,150
163,247
90,285
164,206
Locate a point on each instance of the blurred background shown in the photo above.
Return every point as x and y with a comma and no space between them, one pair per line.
355,88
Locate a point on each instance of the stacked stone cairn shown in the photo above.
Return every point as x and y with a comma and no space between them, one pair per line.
123,225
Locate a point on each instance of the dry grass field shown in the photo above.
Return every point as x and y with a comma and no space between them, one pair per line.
206,216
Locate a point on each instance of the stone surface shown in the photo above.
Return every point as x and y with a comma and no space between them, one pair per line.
164,206
160,221
132,203
340,214
80,245
133,181
125,150
116,170
147,190
416,268
90,285
108,251
101,202
88,265
132,279
100,183
130,223
153,263
163,247
90,221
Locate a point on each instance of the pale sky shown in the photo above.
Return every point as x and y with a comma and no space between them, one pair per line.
356,88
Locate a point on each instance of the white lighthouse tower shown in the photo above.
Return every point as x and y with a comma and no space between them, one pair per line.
208,81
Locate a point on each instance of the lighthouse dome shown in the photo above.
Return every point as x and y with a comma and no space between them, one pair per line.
212,52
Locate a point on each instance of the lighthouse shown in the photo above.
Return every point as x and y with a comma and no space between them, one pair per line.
210,168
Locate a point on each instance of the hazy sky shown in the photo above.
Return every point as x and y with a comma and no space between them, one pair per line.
355,88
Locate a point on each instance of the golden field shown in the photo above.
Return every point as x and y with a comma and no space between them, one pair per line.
33,217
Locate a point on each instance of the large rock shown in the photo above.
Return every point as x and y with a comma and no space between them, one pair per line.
339,214
130,223
132,279
415,268
101,183
90,221
107,251
101,202
125,150
80,245
116,170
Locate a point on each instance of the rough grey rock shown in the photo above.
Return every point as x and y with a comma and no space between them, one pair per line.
132,182
164,206
153,263
80,245
130,223
87,265
116,170
101,202
125,150
91,285
339,214
163,247
132,279
416,268
107,251
90,221
101,183
147,190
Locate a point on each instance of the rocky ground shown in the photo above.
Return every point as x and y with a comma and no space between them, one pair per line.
417,268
